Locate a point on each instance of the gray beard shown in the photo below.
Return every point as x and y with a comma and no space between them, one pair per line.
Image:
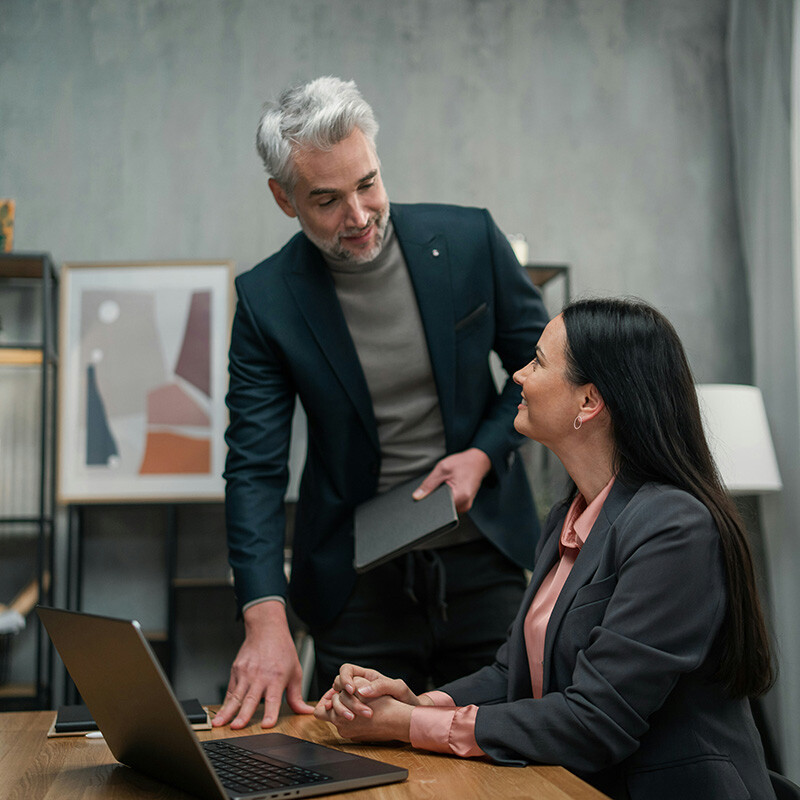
337,253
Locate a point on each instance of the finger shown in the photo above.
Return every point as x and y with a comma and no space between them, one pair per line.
224,714
294,697
324,703
272,707
229,708
346,678
246,710
432,480
338,710
392,687
346,706
354,703
321,711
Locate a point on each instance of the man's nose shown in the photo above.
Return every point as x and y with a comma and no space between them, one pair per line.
357,214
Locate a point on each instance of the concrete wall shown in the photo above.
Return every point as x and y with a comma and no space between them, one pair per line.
597,129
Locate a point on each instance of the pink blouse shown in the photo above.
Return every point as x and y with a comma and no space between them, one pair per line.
443,727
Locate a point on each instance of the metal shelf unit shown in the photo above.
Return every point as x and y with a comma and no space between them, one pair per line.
28,348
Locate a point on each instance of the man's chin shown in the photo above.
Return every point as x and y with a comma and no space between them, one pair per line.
360,255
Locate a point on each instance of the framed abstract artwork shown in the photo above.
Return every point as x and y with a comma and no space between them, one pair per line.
142,381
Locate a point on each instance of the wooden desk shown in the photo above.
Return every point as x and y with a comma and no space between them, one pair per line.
33,767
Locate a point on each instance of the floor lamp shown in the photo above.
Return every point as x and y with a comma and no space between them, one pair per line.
736,427
737,431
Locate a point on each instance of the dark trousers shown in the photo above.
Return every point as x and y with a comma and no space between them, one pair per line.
428,617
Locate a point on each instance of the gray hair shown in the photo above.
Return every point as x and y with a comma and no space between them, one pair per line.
318,114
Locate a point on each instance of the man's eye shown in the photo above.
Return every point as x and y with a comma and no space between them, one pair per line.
365,186
327,202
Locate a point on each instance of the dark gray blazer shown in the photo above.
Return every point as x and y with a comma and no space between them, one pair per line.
290,340
629,702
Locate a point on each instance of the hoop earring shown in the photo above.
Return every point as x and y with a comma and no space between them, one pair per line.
577,422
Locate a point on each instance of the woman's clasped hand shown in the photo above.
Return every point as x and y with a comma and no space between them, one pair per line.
365,705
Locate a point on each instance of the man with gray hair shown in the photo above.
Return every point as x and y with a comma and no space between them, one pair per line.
381,319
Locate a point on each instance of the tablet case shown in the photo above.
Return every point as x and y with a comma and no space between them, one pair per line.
74,720
393,523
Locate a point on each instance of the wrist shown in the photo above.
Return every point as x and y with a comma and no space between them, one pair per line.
264,615
404,724
482,460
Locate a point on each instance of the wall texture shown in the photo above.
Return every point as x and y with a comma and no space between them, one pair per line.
597,129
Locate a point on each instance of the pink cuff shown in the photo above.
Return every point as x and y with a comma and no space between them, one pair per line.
445,730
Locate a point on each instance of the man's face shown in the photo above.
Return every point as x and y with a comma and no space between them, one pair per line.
339,199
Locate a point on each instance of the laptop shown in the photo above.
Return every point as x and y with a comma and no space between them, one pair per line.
133,704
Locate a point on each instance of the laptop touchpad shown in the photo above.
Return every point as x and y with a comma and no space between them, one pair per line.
306,754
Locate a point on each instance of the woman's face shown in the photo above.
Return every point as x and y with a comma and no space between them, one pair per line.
550,402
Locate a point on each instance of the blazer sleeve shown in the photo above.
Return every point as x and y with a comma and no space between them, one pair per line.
520,318
662,613
261,402
487,686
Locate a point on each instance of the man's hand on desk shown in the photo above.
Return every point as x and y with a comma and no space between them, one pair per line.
462,472
266,664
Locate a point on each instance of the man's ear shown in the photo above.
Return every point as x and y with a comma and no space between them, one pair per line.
593,402
281,198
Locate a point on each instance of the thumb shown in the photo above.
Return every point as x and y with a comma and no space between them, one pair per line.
433,479
295,700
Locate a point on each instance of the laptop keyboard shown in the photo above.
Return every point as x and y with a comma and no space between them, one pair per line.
241,771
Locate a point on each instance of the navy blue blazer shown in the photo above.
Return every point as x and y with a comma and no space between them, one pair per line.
630,650
290,339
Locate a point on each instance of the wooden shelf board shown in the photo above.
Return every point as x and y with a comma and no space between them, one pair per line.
12,356
22,265
201,583
18,690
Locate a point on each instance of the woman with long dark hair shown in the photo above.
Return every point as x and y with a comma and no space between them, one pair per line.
641,636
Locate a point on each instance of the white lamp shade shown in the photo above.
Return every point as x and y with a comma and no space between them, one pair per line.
736,428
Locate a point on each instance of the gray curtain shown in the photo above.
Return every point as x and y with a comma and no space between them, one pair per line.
764,110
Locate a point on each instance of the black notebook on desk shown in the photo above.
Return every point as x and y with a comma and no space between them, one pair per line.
393,523
72,720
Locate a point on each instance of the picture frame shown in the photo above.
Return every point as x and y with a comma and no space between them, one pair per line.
142,381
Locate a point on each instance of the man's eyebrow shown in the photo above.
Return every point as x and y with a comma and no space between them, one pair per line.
322,190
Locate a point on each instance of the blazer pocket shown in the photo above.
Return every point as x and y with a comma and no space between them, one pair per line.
711,776
584,614
472,317
594,592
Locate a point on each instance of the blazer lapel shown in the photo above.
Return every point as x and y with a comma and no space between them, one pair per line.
426,255
585,566
312,286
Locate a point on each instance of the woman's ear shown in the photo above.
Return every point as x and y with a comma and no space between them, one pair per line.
592,403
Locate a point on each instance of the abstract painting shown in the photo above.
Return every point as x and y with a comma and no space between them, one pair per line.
143,377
